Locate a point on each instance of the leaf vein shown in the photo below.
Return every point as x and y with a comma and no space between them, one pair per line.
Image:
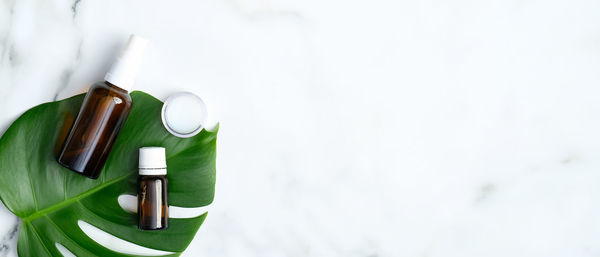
52,208
67,236
31,186
39,238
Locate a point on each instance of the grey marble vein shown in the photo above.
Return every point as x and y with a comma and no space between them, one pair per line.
7,242
74,7
485,192
7,48
66,75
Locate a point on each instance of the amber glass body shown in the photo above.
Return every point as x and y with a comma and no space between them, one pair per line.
153,208
101,117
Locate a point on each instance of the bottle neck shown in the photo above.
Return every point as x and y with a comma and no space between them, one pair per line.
152,176
152,171
113,86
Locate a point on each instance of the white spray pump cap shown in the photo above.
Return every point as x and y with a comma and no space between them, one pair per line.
125,68
152,161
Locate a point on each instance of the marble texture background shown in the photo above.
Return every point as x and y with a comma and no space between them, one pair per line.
354,128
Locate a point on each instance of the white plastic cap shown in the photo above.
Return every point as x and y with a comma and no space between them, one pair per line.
152,161
124,70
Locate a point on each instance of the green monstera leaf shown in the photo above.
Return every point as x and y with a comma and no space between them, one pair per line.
53,201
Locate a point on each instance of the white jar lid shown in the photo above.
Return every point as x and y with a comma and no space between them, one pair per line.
184,114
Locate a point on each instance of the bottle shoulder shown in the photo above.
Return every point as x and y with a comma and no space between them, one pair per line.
152,177
104,88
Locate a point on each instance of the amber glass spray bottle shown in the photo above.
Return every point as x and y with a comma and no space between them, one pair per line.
153,207
102,115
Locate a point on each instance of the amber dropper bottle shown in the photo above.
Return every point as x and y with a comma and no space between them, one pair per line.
153,208
102,115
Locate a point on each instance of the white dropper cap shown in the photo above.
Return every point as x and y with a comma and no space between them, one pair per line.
152,161
125,68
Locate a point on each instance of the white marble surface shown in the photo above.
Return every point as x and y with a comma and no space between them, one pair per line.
354,128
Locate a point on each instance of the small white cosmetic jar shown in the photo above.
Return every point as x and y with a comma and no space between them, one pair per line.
184,114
